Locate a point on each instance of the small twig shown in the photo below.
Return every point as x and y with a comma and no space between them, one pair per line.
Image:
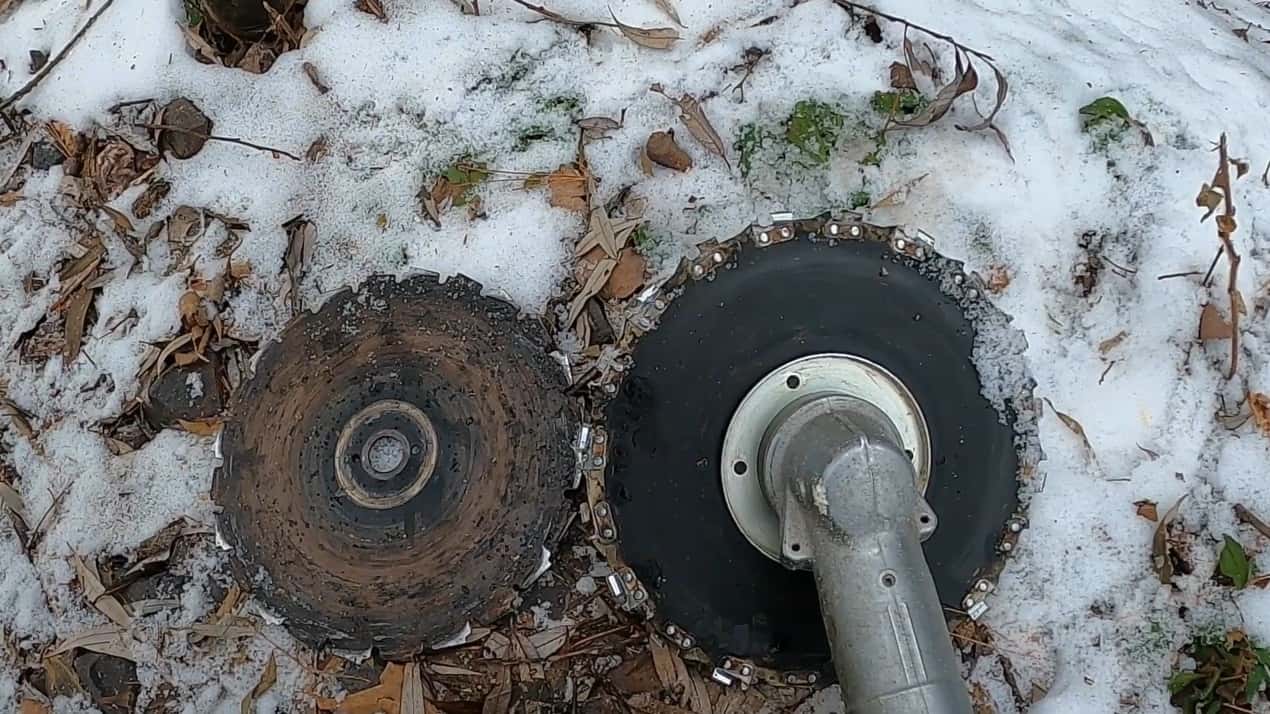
577,647
1211,267
915,26
1224,231
1246,516
1167,276
44,71
1265,176
226,139
34,535
17,162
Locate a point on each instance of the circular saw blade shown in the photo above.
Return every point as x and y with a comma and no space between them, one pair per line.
714,341
396,464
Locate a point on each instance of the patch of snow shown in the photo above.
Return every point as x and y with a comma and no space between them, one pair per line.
194,385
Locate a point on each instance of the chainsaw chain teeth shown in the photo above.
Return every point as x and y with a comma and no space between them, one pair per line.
645,310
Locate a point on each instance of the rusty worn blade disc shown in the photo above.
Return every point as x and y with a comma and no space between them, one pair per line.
396,464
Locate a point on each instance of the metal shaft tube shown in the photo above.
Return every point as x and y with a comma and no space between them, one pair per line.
846,493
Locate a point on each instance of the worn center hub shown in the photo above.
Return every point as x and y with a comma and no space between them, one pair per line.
385,454
796,382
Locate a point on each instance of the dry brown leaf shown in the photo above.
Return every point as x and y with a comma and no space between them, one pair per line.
645,163
60,679
600,127
311,71
412,696
591,288
64,138
202,48
385,696
1161,563
301,242
153,194
373,7
657,38
668,7
661,148
33,706
1073,426
1112,342
627,276
268,678
1212,326
499,700
317,149
902,76
191,127
566,187
107,639
201,427
95,593
76,315
9,198
694,117
602,227
1210,199
12,500
898,195
1260,405
1147,509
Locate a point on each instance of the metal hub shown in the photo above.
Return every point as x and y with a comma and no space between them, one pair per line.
742,468
386,454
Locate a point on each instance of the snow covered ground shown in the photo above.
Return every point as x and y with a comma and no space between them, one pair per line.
1079,612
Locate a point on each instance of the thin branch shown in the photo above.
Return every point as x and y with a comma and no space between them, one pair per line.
1188,273
1246,516
44,71
915,26
1225,229
226,139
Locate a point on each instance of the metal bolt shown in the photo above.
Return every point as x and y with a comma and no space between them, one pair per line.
597,461
763,238
972,293
686,643
786,232
746,671
659,304
639,595
1007,546
610,388
698,271
834,228
608,533
790,679
982,586
717,258
599,437
671,629
601,510
958,279
900,244
856,231
629,577
1015,526
968,602
811,678
919,253
727,664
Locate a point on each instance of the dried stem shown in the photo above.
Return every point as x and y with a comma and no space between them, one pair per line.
226,139
44,71
915,26
1225,229
1246,516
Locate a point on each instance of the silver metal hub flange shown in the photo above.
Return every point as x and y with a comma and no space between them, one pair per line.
816,375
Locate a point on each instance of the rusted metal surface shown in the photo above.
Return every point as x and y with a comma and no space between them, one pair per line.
480,507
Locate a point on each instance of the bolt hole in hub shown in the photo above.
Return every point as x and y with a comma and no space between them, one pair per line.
822,375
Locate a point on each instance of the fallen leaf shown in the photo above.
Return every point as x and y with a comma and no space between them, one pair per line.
902,76
1161,563
60,679
33,706
95,593
64,138
107,639
268,678
1112,342
668,7
548,642
1147,510
1212,326
208,427
76,315
373,7
1210,199
1260,405
10,198
657,38
591,288
12,500
499,700
1072,425
1149,453
301,242
412,699
965,80
998,279
311,71
191,127
694,117
566,187
316,150
662,149
898,195
645,163
627,276
153,194
385,696
599,127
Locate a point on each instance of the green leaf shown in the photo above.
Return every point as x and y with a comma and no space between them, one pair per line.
1103,109
1263,656
1234,564
1182,680
1256,678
